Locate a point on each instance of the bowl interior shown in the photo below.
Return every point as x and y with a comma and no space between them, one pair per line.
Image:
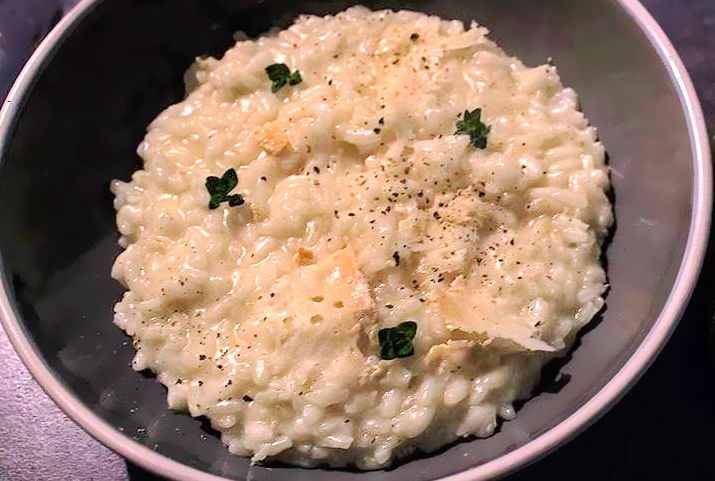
87,112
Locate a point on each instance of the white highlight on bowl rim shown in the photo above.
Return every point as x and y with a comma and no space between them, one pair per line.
614,389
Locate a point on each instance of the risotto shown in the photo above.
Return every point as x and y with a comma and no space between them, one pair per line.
361,236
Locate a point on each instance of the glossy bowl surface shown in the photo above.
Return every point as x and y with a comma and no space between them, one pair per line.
80,107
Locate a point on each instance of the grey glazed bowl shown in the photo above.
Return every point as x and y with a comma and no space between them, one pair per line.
79,108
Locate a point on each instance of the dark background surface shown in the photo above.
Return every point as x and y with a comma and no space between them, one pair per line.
661,430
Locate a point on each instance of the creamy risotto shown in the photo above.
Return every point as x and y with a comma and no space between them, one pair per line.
361,236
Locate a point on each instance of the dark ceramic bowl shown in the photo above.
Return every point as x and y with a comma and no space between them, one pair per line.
78,110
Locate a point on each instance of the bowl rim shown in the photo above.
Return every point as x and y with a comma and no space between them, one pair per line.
538,447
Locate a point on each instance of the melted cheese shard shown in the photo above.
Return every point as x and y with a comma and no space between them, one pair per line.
311,321
466,309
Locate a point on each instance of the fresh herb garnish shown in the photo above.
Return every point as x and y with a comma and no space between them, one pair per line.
219,189
396,342
471,124
280,75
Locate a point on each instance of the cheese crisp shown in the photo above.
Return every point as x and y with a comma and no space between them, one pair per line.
361,236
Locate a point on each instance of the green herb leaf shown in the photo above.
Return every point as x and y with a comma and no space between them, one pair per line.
471,124
219,188
295,78
280,75
235,199
396,342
